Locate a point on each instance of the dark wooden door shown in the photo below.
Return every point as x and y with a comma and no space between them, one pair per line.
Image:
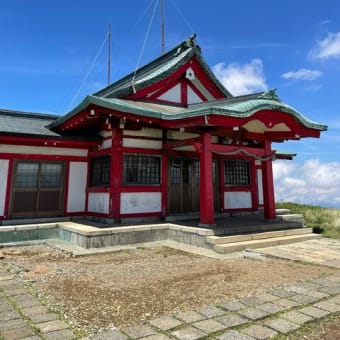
37,189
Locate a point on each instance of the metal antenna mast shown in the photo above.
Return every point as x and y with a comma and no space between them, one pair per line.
109,57
162,26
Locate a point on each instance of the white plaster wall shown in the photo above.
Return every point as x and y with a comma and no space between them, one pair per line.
145,132
140,202
42,150
237,200
77,187
142,143
99,202
107,143
173,95
3,184
260,186
193,97
180,135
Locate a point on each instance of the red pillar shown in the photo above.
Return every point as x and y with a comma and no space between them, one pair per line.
164,178
116,173
206,181
268,185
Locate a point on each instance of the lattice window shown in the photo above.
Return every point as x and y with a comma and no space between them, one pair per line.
236,172
100,171
141,169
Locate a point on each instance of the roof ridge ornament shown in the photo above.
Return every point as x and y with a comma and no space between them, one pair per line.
271,95
191,41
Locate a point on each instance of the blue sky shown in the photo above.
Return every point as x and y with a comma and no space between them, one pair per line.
48,49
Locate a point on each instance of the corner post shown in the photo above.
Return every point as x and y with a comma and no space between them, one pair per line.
206,182
116,173
268,185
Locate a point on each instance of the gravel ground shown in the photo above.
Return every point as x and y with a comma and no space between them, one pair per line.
130,286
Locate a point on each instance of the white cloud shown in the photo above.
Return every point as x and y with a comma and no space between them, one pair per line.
327,48
302,74
310,183
242,79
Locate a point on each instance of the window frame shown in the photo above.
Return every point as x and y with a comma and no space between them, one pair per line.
100,177
237,179
152,178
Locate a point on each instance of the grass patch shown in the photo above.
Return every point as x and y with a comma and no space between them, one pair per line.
323,220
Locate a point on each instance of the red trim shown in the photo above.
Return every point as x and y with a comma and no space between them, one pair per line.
164,178
168,86
206,182
141,215
66,186
268,186
45,141
184,92
142,151
42,157
198,92
9,187
140,188
116,173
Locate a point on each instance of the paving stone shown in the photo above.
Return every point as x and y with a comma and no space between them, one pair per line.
209,326
304,299
251,301
189,333
34,310
138,331
259,332
189,316
331,289
15,292
253,313
271,308
26,302
317,294
17,333
9,315
234,335
282,325
232,320
109,334
165,323
232,305
5,306
297,289
314,312
211,311
329,306
66,334
51,326
266,297
155,337
39,318
335,299
9,324
287,303
297,317
281,292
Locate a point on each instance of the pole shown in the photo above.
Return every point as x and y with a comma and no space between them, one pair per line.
162,26
109,57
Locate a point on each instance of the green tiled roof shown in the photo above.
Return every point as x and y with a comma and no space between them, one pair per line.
158,69
240,107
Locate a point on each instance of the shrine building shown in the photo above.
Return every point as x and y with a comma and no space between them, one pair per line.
166,140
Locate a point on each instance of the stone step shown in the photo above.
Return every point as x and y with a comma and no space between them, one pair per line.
262,243
257,236
282,211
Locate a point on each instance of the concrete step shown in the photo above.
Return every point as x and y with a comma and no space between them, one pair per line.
282,211
257,236
262,243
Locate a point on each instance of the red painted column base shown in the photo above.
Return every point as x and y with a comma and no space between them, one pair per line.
206,182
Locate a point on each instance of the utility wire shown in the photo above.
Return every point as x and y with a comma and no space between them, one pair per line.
182,16
88,72
144,44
